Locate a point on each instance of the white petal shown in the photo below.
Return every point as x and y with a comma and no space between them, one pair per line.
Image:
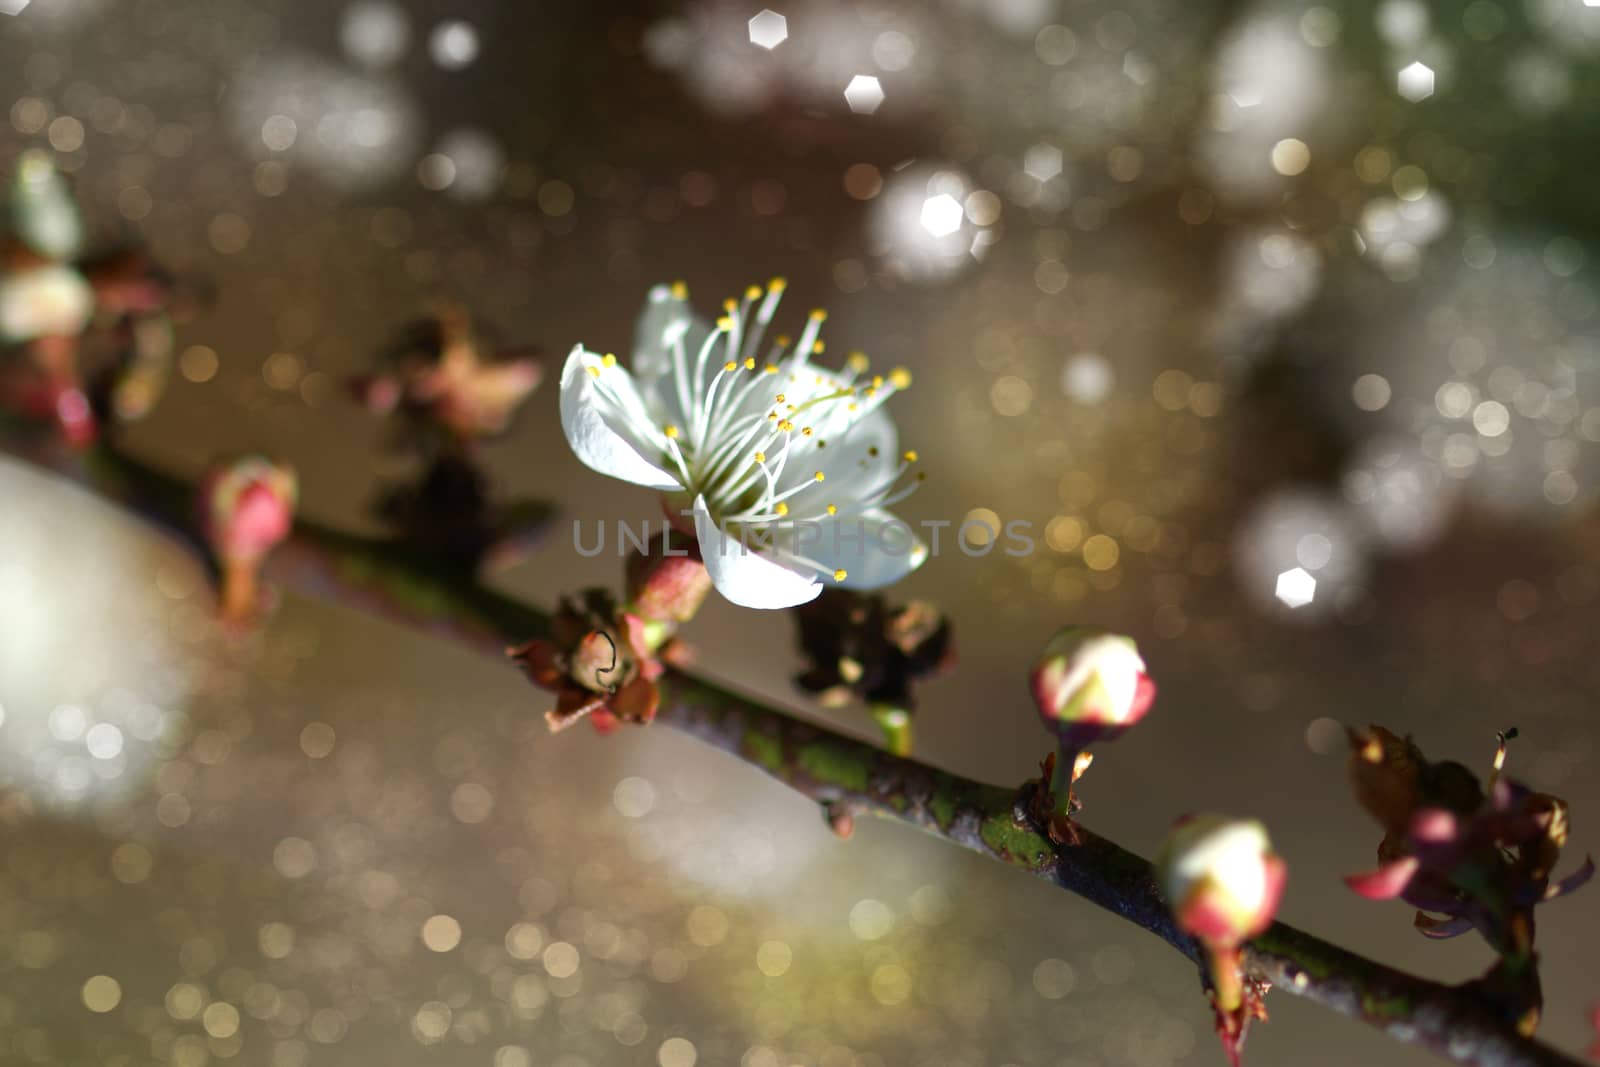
745,577
863,461
44,210
1230,851
601,438
664,319
874,549
44,302
1116,660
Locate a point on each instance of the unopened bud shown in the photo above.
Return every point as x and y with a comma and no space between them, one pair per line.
667,583
1221,878
1087,677
246,508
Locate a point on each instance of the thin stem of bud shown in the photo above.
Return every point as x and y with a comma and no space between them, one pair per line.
240,593
896,726
1227,976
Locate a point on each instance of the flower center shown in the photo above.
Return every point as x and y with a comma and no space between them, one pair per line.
760,424
767,437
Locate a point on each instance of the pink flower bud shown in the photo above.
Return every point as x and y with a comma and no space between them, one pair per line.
1090,678
247,507
1221,878
667,583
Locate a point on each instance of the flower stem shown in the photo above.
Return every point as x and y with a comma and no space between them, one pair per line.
1227,977
240,593
1071,762
896,726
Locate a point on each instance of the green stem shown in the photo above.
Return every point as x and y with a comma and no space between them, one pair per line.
1062,778
896,726
1227,978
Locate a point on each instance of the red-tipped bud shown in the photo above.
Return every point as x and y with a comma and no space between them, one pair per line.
246,508
1091,682
1221,877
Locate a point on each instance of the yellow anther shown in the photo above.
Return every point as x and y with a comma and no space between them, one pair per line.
749,363
782,508
833,509
783,340
609,359
786,426
877,381
851,406
761,457
780,398
594,372
840,575
772,416
858,362
807,432
671,431
820,476
753,293
680,291
819,314
870,392
771,368
911,455
724,324
778,285
900,378
817,348
730,305
730,366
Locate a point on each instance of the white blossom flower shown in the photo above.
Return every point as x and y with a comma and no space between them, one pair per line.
43,301
788,468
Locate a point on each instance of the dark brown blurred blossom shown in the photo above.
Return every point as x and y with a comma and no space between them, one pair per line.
443,378
96,334
857,647
599,662
1466,857
449,512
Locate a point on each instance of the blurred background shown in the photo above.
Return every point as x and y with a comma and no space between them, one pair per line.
1275,320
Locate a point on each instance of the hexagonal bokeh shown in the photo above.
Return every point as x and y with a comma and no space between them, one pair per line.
1042,162
768,29
1296,588
864,94
941,215
1416,81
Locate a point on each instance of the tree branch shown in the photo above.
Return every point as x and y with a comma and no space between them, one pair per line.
417,590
